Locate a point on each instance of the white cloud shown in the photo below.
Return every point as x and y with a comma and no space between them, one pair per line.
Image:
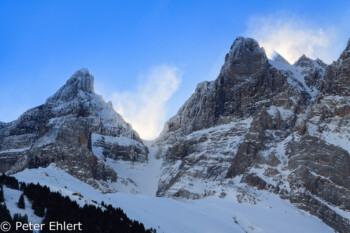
292,37
145,108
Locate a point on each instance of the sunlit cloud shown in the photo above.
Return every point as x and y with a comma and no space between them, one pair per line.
292,37
145,108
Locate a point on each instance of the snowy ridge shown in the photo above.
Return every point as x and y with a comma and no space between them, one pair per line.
297,73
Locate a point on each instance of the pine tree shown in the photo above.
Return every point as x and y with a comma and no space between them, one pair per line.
4,213
22,186
21,203
22,219
2,194
39,209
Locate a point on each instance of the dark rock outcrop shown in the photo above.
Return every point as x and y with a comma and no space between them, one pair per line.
313,72
337,76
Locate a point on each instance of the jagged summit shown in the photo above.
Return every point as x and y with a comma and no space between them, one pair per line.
79,83
245,57
76,129
305,61
85,80
278,58
337,76
242,86
305,74
241,46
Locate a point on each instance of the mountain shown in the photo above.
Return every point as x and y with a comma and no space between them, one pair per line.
264,144
268,124
72,126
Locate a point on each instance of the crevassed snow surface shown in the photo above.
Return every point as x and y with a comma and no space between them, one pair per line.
270,214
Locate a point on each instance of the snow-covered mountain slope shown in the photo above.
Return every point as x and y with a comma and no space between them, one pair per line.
77,130
11,197
244,209
137,177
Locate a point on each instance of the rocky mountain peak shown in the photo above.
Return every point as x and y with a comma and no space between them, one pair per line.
277,57
303,61
75,129
83,79
79,84
307,62
243,85
337,76
245,57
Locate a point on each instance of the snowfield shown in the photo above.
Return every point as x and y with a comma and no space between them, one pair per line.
11,197
269,214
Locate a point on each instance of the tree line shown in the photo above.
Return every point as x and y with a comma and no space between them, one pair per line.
52,206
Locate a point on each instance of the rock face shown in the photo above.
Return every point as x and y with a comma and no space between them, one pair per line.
337,77
313,72
267,124
71,129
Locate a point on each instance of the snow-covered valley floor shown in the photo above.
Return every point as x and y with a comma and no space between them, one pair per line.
270,214
137,178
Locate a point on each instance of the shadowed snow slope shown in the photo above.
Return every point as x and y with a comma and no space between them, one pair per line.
269,214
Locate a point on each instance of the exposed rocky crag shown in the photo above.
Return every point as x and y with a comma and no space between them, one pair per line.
68,129
268,124
313,72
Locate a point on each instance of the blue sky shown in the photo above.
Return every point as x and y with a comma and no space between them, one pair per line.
166,45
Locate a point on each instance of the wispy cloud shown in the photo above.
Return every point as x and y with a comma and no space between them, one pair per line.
145,108
292,37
